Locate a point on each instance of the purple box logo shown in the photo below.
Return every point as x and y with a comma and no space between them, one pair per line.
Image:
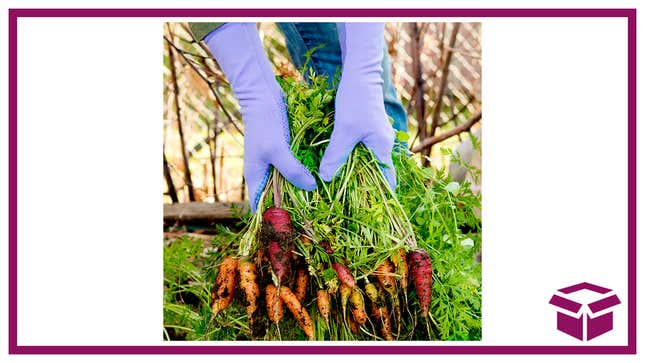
585,310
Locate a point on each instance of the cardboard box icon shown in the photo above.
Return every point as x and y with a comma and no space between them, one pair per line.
585,310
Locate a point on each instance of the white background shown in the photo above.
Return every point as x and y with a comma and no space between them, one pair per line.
554,201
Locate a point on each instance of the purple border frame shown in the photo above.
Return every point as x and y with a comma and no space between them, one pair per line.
630,348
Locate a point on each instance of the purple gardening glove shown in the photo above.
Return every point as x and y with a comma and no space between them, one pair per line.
360,112
238,51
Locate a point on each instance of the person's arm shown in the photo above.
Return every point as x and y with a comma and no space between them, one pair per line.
201,30
359,111
240,55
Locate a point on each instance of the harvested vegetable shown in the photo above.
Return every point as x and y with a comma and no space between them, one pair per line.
278,229
372,293
299,313
280,262
382,319
385,275
274,304
302,278
249,287
401,266
323,304
421,270
357,306
222,293
353,325
344,275
279,220
345,291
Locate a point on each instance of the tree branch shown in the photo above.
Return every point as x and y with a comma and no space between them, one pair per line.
424,144
171,186
210,86
418,91
212,149
461,109
184,155
444,81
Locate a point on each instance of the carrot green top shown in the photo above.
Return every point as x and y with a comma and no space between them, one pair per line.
201,30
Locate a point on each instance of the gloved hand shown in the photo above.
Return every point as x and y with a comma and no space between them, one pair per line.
360,113
239,53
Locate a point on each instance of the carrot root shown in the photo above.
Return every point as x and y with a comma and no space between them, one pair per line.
345,292
299,312
344,275
401,266
302,278
323,303
222,293
274,304
249,286
357,306
383,320
421,272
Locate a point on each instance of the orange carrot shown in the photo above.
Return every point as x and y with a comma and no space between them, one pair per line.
399,261
298,311
383,321
385,277
274,304
302,277
379,311
357,306
249,286
323,304
353,325
222,293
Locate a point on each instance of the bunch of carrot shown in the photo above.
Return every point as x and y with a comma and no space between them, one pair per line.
241,274
294,288
342,258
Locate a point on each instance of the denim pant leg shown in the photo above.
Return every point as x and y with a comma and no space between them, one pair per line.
302,37
326,61
393,106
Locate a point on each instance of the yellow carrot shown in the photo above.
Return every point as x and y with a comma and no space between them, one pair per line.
357,306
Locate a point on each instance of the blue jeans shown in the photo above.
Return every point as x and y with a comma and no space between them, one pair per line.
326,61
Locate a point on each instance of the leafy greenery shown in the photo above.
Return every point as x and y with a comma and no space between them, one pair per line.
446,224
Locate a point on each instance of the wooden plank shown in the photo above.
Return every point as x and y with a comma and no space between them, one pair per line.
206,238
203,212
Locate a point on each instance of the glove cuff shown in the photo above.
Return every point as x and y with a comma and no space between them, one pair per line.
239,52
362,46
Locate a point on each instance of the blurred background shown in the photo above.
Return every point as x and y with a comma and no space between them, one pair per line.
436,71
